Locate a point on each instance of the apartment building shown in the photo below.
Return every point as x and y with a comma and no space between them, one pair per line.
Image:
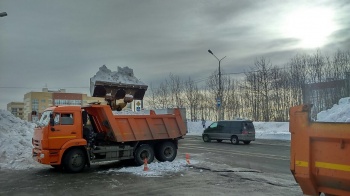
36,102
16,108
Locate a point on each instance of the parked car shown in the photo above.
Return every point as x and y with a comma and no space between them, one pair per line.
233,130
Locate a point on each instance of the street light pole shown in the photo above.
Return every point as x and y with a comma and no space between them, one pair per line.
2,14
220,87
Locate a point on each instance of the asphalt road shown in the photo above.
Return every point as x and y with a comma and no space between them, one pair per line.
261,168
262,155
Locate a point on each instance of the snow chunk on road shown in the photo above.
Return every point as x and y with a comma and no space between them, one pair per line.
156,169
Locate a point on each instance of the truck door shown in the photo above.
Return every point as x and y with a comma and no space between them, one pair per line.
62,131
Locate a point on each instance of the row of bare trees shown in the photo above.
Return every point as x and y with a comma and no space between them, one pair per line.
265,93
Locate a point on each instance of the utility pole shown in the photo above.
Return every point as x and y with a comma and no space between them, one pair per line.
219,99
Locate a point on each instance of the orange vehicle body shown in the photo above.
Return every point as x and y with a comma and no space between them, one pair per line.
320,154
120,136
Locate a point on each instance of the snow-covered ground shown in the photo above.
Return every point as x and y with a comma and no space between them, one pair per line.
16,136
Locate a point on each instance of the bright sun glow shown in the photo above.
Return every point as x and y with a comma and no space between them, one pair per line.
311,26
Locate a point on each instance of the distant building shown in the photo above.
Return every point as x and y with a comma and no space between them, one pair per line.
16,108
36,102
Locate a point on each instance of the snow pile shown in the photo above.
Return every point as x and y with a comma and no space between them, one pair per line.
124,75
156,169
272,130
338,113
15,142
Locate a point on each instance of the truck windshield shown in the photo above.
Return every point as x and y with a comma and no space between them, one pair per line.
45,118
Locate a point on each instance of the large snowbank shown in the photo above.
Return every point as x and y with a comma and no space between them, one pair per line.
15,142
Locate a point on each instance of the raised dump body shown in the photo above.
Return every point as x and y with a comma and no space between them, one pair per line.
127,128
320,154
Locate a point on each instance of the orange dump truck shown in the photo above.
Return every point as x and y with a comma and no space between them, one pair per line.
320,154
72,137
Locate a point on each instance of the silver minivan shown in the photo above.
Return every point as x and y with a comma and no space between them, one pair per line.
233,130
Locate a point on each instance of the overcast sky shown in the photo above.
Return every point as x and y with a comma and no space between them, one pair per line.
62,44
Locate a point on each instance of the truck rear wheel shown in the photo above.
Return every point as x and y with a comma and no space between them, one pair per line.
75,160
142,152
166,152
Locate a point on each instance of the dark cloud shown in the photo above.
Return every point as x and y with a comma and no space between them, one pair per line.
62,44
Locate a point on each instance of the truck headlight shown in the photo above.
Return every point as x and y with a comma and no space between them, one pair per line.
42,156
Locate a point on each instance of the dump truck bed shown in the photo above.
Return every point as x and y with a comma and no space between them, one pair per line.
126,128
320,154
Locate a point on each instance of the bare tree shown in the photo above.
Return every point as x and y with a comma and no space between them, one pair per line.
176,87
232,100
163,95
193,97
151,97
265,93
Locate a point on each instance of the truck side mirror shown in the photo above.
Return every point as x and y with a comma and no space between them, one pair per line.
52,120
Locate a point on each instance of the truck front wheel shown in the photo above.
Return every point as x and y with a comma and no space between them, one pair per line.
75,160
166,152
142,152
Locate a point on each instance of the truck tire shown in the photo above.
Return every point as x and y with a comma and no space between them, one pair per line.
166,152
234,140
142,152
246,142
206,138
75,160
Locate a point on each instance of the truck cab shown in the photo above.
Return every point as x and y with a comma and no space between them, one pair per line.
59,128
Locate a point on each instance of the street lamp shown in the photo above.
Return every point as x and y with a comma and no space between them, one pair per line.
2,14
220,88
